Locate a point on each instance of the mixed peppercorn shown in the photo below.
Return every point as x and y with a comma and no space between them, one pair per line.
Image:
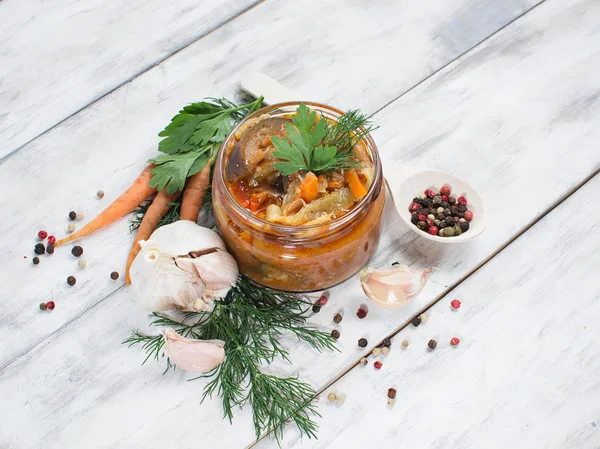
440,213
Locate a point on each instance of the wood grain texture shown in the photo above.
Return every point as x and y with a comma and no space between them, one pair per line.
105,146
59,56
525,374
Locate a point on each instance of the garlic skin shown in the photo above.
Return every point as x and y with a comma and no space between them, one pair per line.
183,266
393,287
198,356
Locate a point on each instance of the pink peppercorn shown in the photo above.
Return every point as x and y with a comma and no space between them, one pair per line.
468,215
50,305
455,304
462,201
42,235
454,341
413,207
322,300
445,198
430,193
51,240
433,230
361,313
377,364
445,190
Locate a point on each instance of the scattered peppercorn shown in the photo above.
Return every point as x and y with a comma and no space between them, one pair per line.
340,399
455,304
80,214
362,342
77,251
331,397
391,402
114,275
404,343
387,342
100,194
454,341
392,393
42,235
82,263
364,361
43,306
432,344
335,334
72,215
322,300
337,318
385,350
51,240
50,305
71,280
377,364
416,321
71,227
315,308
424,317
376,351
36,260
39,249
50,249
361,313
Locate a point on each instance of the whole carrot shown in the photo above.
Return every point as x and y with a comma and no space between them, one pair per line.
194,193
157,210
126,203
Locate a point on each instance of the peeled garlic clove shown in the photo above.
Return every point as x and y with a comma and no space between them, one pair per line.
198,356
393,287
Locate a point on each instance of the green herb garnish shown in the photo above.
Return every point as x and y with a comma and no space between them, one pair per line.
251,320
192,138
317,146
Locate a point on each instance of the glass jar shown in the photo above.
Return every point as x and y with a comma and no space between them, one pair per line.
299,258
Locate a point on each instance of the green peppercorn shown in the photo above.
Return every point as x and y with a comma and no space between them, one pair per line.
416,321
77,251
436,200
71,280
72,215
457,230
335,334
337,318
43,306
363,342
36,260
436,223
464,225
432,344
448,231
422,225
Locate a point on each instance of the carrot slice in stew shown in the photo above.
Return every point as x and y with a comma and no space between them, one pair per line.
358,190
310,187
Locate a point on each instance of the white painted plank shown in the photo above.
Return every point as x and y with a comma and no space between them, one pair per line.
57,57
111,374
525,374
104,146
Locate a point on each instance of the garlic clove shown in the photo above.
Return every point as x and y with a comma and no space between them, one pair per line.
217,270
393,287
198,356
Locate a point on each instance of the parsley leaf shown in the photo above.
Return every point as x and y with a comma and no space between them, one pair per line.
172,170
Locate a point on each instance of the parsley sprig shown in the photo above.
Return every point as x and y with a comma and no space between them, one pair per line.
193,137
318,146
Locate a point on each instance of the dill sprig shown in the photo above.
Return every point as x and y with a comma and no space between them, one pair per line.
348,130
251,320
171,216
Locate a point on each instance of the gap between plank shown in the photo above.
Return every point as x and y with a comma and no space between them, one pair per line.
452,287
193,40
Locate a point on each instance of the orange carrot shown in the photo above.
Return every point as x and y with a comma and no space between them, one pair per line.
309,188
358,190
194,192
126,203
157,210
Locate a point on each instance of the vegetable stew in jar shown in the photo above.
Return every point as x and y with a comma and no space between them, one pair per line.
298,195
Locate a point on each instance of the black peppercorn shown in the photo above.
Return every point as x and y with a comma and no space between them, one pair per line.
437,223
387,343
77,251
337,318
464,226
417,200
462,208
426,204
436,201
451,200
72,215
114,276
454,211
440,216
36,260
392,393
363,342
335,334
316,308
71,280
442,224
447,212
39,249
416,321
461,215
50,249
444,204
432,344
414,219
449,221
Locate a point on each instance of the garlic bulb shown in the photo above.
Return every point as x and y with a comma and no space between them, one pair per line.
198,356
393,287
183,266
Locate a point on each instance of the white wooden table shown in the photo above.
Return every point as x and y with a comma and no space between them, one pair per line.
504,94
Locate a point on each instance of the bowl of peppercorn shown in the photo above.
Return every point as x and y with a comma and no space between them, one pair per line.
439,206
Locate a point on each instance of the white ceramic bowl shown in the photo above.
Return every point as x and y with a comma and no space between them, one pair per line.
406,189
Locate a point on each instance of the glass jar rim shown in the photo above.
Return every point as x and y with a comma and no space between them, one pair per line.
266,225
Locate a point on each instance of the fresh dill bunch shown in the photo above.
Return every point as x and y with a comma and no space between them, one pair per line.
251,320
171,216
